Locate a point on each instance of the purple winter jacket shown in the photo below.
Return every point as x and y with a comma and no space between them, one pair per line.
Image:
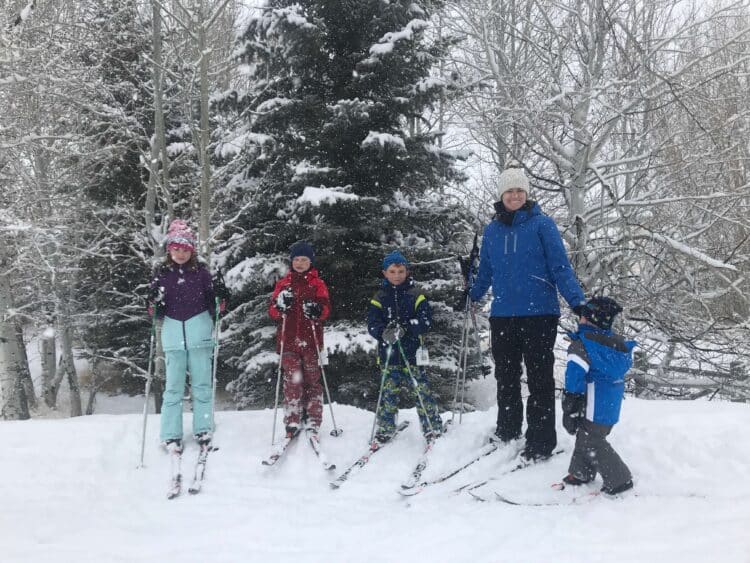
187,292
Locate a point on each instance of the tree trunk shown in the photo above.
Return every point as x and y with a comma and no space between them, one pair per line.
203,142
13,404
67,367
26,381
50,379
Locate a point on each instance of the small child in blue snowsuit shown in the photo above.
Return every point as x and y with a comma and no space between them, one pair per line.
598,360
398,315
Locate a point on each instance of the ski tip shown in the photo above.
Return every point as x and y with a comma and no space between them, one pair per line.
336,432
334,485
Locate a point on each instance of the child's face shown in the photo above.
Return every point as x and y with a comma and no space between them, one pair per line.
396,274
301,264
179,255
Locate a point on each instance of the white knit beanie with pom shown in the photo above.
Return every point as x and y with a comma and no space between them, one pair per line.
512,177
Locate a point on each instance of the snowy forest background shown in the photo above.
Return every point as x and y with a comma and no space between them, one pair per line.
361,126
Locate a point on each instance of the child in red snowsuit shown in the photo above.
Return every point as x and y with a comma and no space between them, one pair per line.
300,303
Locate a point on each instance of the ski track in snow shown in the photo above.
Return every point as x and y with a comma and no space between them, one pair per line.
71,492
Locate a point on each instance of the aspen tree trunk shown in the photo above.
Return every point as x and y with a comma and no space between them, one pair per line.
48,353
26,381
13,405
67,367
204,140
158,147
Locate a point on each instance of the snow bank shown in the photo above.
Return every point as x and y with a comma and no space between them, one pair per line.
71,492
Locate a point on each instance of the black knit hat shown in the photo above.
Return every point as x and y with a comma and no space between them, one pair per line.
302,248
601,311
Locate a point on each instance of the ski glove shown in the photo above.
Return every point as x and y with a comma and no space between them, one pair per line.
579,309
312,310
574,409
220,288
393,333
155,301
156,295
284,300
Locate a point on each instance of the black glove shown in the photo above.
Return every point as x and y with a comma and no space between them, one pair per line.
155,304
156,295
579,309
574,410
312,309
393,333
284,300
220,288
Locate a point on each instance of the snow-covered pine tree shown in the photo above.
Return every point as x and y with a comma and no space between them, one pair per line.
334,147
112,321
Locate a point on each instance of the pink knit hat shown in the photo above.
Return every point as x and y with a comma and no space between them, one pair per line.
179,235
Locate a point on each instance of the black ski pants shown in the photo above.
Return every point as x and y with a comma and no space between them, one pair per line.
594,453
530,340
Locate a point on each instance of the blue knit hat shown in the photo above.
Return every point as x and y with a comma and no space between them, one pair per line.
302,248
395,257
601,311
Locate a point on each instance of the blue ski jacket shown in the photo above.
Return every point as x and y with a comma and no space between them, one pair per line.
598,360
406,305
526,264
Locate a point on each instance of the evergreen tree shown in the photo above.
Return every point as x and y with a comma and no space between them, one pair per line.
110,292
333,149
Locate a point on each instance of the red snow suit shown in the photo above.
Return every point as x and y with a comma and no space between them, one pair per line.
299,364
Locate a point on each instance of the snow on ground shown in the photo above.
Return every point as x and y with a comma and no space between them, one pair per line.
71,492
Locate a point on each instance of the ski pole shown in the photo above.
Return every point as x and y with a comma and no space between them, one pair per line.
388,353
278,377
336,431
416,386
468,270
149,375
217,335
461,373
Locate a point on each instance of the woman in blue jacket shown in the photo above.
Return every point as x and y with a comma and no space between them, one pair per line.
523,258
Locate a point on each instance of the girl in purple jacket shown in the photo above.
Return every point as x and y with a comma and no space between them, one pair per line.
183,294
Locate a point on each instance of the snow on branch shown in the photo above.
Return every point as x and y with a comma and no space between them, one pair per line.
233,146
293,16
382,140
692,252
387,43
13,79
322,195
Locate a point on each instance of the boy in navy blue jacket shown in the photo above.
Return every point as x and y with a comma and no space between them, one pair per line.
598,360
398,316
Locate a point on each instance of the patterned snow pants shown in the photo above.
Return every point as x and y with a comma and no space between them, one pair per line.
303,392
394,379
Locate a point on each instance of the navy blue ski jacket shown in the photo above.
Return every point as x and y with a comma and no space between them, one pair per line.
526,264
406,305
598,360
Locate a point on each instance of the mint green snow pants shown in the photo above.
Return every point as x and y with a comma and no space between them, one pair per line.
199,362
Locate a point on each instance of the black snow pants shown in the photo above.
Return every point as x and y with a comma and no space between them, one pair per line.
531,340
